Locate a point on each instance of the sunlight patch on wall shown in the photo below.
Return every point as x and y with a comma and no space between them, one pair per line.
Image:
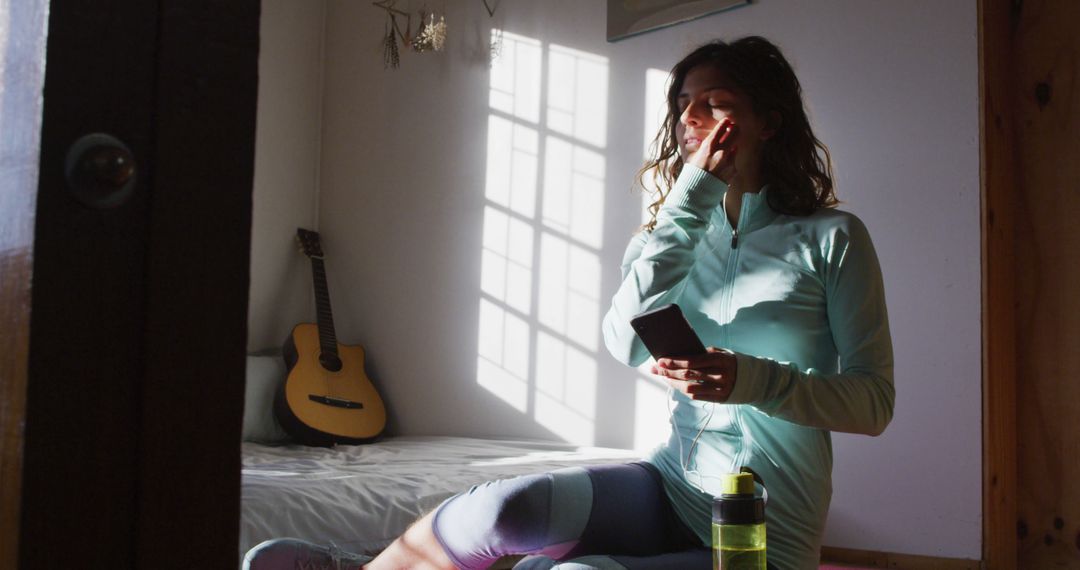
572,234
574,191
515,78
651,418
506,262
565,388
570,291
502,365
655,106
655,113
577,95
652,424
543,230
512,165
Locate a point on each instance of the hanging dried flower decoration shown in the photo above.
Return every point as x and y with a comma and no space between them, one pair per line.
438,33
441,34
391,56
422,41
496,43
430,34
495,48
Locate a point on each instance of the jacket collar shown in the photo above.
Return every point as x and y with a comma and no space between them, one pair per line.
754,213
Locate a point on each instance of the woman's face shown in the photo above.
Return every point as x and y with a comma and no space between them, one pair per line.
708,97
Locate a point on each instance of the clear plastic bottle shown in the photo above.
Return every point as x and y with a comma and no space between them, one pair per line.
738,525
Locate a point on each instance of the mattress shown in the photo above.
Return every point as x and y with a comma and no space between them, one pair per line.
362,497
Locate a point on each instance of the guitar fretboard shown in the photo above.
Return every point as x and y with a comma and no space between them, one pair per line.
325,319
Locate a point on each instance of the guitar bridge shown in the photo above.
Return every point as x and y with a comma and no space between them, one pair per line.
335,402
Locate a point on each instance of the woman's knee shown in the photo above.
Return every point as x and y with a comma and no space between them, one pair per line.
515,516
493,519
517,511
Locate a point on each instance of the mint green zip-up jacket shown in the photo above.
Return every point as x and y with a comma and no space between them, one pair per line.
800,301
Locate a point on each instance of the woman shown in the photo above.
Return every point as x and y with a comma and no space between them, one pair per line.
749,246
745,239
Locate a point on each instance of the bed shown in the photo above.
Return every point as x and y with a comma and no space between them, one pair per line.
362,497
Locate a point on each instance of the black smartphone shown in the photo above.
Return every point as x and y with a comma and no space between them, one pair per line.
666,332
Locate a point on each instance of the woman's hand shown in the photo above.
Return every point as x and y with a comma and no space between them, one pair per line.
716,154
709,377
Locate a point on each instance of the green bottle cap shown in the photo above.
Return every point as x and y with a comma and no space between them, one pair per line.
738,484
737,503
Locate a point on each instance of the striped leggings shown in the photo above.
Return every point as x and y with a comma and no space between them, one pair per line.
605,517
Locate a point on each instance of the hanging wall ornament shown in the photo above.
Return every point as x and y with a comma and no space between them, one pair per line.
432,34
391,56
495,48
496,44
423,40
438,34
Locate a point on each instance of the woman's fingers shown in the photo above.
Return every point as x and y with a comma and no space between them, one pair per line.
710,376
713,357
726,136
708,391
719,149
716,153
699,375
718,131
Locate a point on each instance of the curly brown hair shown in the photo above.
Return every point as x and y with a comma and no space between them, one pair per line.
794,163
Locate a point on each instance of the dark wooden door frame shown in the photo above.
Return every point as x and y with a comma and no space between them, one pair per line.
176,347
998,149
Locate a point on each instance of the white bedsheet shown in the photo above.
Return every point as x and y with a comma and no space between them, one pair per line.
362,497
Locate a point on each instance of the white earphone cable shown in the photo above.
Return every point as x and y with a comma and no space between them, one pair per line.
686,460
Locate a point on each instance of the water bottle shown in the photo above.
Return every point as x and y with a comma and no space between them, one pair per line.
738,525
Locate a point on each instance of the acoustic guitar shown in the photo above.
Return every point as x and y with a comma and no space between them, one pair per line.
327,397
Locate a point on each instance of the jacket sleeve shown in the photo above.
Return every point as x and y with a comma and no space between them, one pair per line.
656,264
860,398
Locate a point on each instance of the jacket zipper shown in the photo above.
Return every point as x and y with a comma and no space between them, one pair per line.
736,412
735,229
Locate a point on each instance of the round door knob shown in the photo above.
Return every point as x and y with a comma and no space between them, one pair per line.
100,171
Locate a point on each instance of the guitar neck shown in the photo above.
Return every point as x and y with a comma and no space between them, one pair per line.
324,317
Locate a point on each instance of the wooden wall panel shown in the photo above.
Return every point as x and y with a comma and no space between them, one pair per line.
1047,112
999,183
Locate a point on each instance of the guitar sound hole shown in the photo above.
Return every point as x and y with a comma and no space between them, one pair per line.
330,362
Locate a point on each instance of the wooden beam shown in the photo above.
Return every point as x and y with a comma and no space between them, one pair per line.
999,188
1046,95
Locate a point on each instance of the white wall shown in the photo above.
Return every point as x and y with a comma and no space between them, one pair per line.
406,182
287,138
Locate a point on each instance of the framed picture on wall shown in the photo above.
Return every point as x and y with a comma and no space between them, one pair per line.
627,18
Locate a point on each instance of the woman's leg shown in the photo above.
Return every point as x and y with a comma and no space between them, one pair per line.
416,548
543,513
496,518
615,509
632,515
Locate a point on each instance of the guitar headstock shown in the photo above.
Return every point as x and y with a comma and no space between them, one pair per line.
309,242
